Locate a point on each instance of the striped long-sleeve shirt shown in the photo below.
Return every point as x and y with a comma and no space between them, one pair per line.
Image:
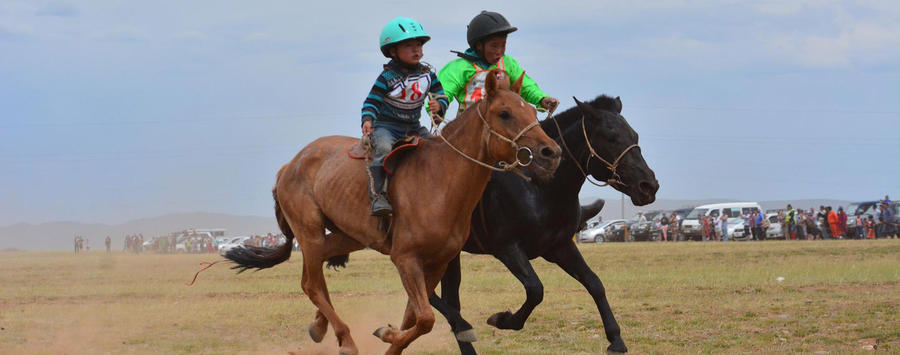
398,94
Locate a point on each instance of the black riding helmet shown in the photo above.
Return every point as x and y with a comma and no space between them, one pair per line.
486,24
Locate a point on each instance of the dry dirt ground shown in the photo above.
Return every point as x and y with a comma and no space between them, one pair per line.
835,297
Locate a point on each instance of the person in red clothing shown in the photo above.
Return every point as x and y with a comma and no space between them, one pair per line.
870,228
704,221
833,223
842,221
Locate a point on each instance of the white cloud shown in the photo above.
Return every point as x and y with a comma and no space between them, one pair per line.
122,35
859,43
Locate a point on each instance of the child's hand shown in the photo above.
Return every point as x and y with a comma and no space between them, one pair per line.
367,128
549,103
435,108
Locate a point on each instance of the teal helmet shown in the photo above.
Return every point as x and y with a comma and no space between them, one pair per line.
399,30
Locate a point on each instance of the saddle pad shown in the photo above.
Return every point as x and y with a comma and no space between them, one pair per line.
402,147
358,151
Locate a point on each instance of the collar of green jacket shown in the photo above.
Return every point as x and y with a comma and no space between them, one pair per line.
472,56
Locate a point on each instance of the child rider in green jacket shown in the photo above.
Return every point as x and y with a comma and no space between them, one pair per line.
463,78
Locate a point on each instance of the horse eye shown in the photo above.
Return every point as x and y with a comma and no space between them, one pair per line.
505,115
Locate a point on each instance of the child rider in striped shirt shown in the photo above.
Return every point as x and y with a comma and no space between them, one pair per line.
393,107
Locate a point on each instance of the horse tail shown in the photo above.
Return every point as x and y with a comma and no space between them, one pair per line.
251,257
335,262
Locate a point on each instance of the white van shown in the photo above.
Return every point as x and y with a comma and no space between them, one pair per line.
691,228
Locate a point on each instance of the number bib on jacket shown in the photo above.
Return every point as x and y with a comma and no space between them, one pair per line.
475,86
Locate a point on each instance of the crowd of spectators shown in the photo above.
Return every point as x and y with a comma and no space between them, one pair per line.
809,224
827,223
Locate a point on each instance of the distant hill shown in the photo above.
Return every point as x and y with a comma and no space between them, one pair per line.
60,235
613,208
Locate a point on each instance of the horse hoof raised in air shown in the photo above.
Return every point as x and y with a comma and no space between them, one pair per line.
380,332
317,334
501,320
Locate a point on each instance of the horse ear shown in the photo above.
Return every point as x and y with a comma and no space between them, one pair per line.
517,86
583,106
492,82
618,105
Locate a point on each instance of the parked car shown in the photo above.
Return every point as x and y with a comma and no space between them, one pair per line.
691,228
736,230
232,243
617,232
598,232
864,208
774,230
646,230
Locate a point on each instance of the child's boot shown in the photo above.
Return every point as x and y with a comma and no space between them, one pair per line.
380,205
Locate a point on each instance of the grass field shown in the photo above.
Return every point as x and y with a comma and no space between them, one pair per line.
836,297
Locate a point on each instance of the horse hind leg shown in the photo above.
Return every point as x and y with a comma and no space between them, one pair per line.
341,245
313,284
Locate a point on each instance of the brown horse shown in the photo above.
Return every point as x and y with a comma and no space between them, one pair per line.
434,192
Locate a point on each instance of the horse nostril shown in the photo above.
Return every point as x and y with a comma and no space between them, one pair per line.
549,152
648,187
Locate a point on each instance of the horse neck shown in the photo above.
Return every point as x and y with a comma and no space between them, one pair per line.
466,135
568,179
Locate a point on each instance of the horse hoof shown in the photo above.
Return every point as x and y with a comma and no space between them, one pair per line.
380,332
617,347
348,352
315,334
467,336
493,319
501,320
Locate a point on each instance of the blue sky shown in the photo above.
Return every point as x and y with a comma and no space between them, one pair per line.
113,110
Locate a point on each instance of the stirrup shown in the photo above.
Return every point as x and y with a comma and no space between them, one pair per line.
381,207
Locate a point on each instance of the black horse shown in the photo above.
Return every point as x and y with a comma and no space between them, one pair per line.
518,221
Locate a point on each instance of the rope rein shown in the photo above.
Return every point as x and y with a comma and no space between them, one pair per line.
615,179
504,166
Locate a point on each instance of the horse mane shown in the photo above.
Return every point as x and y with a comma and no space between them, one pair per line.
568,117
450,127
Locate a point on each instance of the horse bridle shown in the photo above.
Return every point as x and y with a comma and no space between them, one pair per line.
615,179
504,166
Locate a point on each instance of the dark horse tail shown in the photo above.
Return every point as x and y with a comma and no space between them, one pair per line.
251,257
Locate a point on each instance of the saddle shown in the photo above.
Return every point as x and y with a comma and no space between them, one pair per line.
402,147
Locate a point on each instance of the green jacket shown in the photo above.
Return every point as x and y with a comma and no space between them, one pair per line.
455,75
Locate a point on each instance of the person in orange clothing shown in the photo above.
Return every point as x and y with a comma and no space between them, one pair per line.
833,223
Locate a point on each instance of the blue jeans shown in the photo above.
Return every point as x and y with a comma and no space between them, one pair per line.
724,234
387,133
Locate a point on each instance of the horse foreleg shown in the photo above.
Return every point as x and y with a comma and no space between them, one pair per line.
449,306
413,276
570,259
517,263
